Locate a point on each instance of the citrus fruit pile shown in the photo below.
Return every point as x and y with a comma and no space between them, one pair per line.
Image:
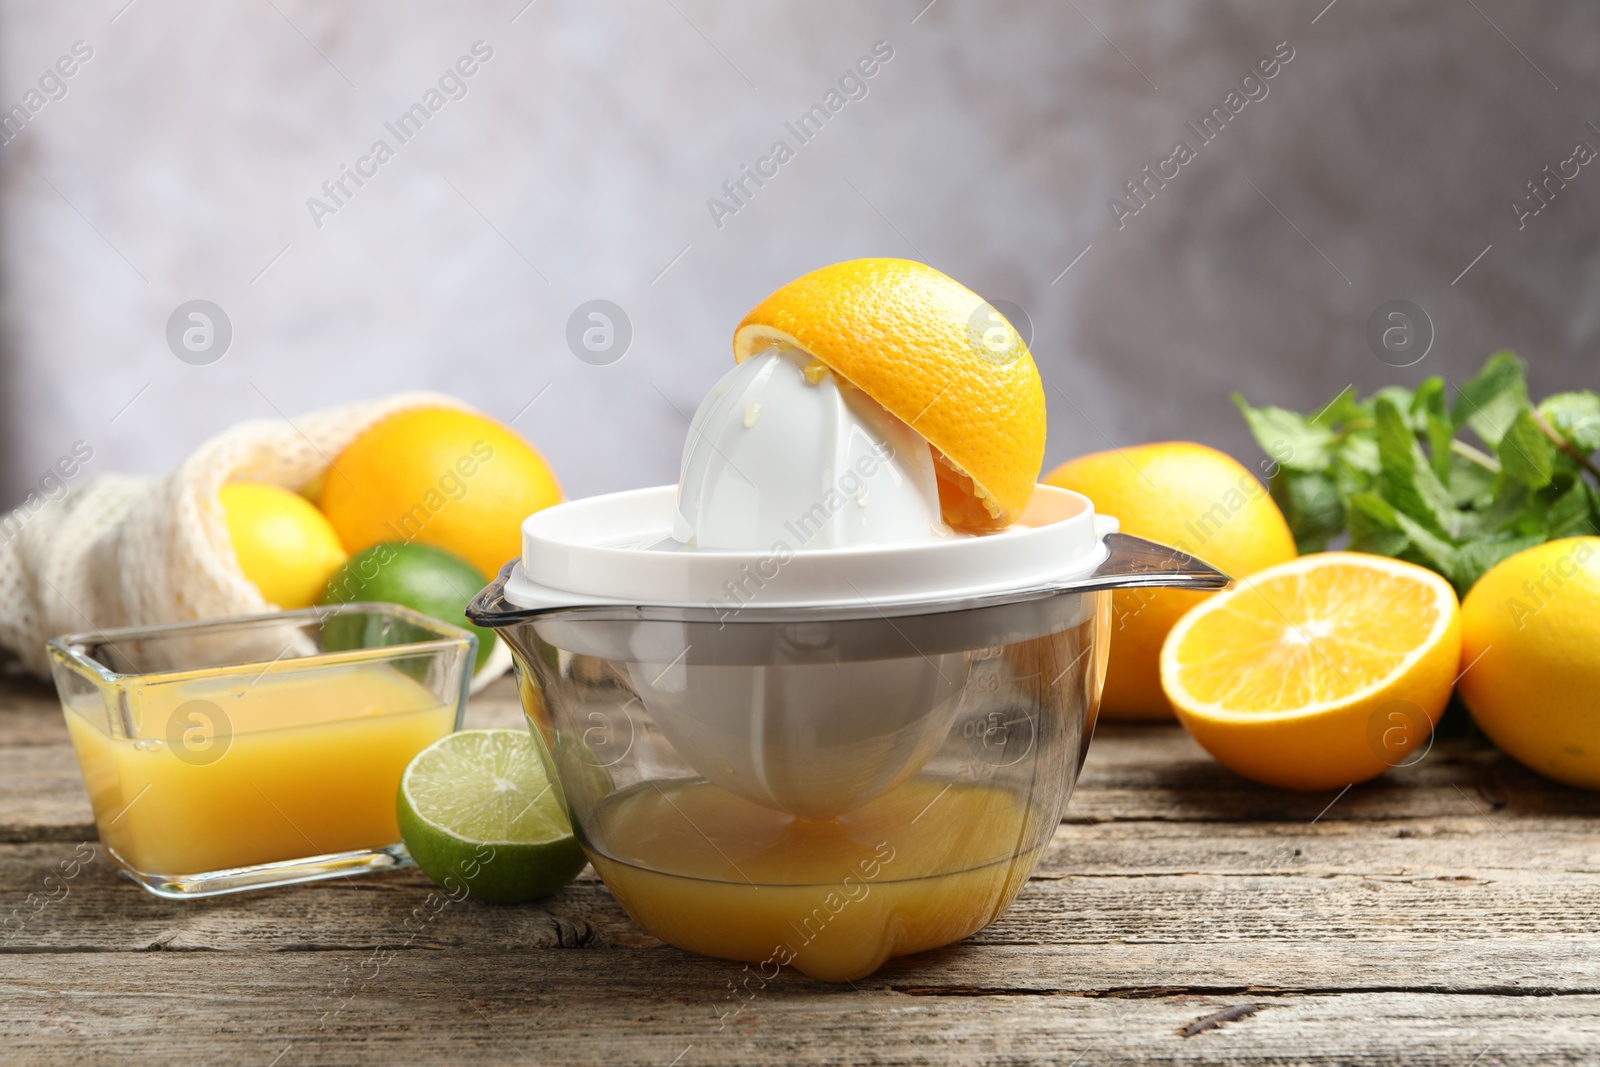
1328,669
420,510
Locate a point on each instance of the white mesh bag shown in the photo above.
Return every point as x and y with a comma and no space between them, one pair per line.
130,551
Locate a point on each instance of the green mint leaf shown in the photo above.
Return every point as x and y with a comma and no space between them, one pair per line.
1398,395
1432,551
1430,415
1360,452
1375,526
1407,481
1349,479
1311,503
1340,410
1526,454
1515,512
1476,557
1567,512
1290,438
1373,508
1430,396
1440,433
1490,401
1510,510
1576,417
1471,485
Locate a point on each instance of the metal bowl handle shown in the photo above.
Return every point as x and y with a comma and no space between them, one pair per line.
1133,562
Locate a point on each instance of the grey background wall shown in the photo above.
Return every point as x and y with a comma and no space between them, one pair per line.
1381,163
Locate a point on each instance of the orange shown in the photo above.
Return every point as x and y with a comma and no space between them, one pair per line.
1190,497
937,356
1316,673
1530,657
452,479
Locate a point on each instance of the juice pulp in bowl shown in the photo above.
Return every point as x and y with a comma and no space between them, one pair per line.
220,759
701,856
925,864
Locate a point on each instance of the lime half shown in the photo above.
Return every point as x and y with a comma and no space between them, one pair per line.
478,815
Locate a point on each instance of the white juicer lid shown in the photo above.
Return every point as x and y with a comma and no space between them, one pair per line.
617,549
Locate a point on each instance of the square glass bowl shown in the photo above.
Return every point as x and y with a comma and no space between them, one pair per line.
245,753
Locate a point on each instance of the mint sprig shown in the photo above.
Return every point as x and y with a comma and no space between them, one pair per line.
1454,484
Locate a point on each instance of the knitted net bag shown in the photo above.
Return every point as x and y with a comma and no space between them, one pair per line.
132,551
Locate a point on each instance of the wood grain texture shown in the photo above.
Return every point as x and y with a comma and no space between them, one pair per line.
1442,914
579,1008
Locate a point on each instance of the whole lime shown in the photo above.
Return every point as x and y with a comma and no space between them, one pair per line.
420,577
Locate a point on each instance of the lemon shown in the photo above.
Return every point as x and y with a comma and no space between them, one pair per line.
284,545
478,815
1319,672
935,354
453,479
1193,498
1531,654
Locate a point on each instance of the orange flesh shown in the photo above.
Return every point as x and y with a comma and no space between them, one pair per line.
1304,639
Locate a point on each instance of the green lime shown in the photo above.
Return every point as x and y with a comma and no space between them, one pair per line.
477,812
420,577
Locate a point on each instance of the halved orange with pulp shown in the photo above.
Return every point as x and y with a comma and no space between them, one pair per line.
1319,672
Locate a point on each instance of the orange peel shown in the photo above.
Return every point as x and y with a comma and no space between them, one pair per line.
934,354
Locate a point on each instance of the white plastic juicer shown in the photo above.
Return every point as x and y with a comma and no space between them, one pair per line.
792,650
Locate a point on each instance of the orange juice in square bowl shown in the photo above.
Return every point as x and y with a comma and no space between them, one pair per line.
245,753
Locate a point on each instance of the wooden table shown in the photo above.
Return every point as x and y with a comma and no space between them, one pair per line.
1446,914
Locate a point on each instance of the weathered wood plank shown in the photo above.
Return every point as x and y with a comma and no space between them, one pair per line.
1159,772
42,796
1449,847
1114,883
577,1007
1443,914
29,713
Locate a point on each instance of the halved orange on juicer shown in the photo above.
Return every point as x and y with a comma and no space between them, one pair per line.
934,354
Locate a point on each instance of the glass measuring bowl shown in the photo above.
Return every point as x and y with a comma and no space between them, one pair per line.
935,824
821,758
